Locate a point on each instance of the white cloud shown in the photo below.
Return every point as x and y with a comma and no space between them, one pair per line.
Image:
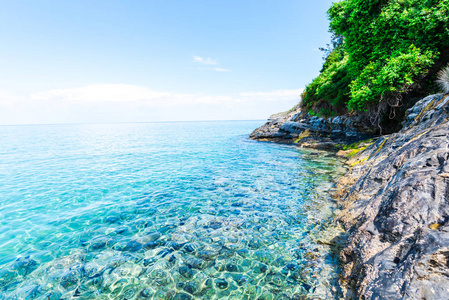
131,103
101,93
122,93
210,62
221,70
205,60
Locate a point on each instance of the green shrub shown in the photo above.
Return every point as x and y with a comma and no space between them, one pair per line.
332,85
388,45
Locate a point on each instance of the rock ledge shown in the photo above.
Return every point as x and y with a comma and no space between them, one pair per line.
298,126
394,202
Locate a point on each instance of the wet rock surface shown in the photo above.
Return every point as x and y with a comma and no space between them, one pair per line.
298,126
395,204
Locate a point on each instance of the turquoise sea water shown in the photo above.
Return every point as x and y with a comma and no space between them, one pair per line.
162,211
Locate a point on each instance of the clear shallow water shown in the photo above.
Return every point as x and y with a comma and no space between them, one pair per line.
162,211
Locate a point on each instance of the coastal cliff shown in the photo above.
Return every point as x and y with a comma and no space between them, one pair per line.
384,58
395,204
393,201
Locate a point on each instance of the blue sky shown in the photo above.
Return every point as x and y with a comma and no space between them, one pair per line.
144,61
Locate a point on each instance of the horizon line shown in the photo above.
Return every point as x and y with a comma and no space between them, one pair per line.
143,122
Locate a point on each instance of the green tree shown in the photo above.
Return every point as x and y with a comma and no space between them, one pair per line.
388,46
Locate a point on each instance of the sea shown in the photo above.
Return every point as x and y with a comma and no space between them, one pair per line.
181,210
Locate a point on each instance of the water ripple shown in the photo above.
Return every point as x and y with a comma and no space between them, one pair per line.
162,211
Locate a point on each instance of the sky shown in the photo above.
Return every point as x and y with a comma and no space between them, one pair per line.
97,61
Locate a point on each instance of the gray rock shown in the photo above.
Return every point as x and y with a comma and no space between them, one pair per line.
395,204
337,120
294,127
320,133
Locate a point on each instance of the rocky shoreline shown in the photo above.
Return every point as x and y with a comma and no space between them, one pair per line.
299,127
394,200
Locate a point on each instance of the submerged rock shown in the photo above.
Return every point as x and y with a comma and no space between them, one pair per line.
151,245
207,254
145,293
191,287
25,265
173,245
131,246
153,236
190,247
100,243
197,263
186,271
221,283
182,296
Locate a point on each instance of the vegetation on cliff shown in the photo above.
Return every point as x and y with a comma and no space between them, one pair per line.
382,51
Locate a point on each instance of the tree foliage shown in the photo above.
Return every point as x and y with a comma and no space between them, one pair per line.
388,45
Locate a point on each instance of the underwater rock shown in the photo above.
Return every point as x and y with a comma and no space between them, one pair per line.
310,256
69,279
95,281
207,254
275,279
260,268
221,283
197,263
112,219
243,252
132,246
264,256
165,229
149,261
129,293
53,295
29,291
191,288
24,265
153,236
164,252
163,295
173,245
145,293
172,259
190,247
231,268
255,244
240,279
124,230
214,225
182,296
99,243
186,271
151,245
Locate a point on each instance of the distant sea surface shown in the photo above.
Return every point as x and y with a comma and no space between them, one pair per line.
162,211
